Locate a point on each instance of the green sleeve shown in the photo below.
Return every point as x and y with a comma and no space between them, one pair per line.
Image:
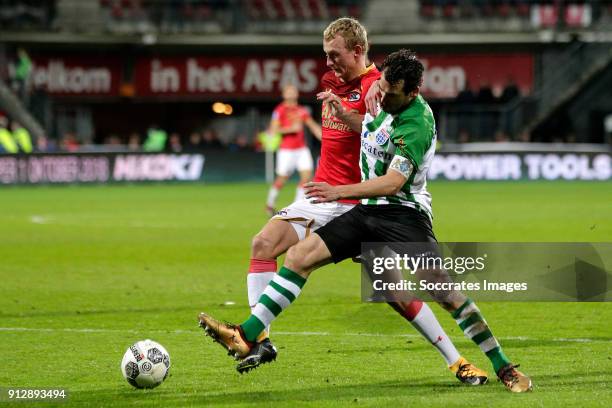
412,140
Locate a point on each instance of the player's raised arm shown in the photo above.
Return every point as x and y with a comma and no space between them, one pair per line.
373,98
350,118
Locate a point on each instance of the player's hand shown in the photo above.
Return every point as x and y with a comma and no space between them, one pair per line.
373,98
333,101
321,192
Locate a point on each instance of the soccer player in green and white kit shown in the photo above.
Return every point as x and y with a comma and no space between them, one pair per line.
397,147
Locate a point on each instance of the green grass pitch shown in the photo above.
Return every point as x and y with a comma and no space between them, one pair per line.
87,271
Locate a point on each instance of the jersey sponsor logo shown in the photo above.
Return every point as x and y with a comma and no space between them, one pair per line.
375,151
333,125
354,96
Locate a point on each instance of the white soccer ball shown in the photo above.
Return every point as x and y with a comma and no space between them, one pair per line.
145,364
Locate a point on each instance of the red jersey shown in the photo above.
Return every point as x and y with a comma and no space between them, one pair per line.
340,146
287,115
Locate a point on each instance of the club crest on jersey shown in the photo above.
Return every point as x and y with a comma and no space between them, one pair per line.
354,97
382,136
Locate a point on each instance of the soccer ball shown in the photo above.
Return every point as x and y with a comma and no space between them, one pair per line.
145,364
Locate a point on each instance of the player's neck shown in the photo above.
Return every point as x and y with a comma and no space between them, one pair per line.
356,72
404,107
352,75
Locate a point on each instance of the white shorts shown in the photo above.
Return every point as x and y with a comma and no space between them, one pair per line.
306,217
290,160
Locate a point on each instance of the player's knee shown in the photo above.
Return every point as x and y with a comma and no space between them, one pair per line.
262,247
296,258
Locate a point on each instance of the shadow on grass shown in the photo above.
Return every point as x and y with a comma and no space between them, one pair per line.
337,394
327,392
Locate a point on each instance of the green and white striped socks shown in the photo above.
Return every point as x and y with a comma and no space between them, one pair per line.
475,327
278,295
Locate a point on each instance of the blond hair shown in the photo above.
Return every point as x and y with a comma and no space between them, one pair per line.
351,30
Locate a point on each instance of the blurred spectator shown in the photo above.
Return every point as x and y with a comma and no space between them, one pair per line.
134,141
464,136
501,136
211,140
465,96
195,142
487,114
23,71
156,139
524,136
7,143
241,142
45,145
113,140
22,137
174,143
69,142
510,92
485,93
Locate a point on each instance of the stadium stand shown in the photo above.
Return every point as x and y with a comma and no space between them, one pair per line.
566,42
214,16
27,15
513,15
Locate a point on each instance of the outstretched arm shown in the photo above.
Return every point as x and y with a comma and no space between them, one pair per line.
275,127
389,184
373,98
314,127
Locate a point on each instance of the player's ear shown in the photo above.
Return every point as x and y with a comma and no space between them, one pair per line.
358,50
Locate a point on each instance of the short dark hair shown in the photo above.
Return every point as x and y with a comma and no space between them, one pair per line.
403,64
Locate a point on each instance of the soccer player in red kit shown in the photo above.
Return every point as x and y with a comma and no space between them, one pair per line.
344,88
288,120
346,83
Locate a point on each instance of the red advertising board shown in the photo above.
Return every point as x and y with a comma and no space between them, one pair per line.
192,76
259,77
78,76
445,75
